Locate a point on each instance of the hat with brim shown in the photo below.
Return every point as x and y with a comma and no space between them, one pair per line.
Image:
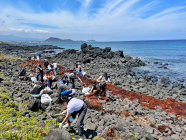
47,70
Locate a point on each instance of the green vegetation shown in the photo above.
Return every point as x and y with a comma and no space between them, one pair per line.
8,57
11,43
24,128
1,43
135,136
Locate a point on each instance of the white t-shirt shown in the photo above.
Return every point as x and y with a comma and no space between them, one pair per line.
74,105
55,65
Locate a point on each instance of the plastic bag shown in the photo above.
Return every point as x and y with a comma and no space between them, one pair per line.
53,77
86,90
45,98
33,79
49,67
48,90
44,78
83,73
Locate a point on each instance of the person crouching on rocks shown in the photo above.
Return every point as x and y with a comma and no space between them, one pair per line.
94,87
71,76
100,88
64,90
48,75
74,106
38,91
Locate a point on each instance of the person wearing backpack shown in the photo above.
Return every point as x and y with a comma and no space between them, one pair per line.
48,75
40,72
74,106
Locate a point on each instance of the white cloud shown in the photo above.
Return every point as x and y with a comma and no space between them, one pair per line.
41,31
114,19
19,30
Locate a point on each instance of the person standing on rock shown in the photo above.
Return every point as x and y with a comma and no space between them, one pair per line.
74,107
76,68
40,72
55,68
48,75
80,70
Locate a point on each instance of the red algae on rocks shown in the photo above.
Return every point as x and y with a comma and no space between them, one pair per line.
169,105
110,134
94,103
34,63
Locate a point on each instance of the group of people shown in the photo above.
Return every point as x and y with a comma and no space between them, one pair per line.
65,93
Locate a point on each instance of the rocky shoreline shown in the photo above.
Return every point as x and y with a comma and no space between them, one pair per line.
24,51
119,118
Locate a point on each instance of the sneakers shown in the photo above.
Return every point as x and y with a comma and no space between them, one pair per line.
82,138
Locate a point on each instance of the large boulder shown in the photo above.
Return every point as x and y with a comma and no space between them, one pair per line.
58,134
34,104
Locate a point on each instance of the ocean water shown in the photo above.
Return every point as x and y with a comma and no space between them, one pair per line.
171,52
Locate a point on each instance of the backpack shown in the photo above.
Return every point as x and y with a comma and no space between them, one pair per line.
46,64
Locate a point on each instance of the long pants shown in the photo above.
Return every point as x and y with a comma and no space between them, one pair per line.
49,83
72,80
55,70
41,76
82,112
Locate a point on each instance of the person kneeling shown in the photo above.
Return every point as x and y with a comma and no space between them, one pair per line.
74,106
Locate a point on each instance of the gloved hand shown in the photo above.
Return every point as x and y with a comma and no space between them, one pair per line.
64,112
61,125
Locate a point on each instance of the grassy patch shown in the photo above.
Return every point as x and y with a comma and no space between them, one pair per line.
24,128
7,57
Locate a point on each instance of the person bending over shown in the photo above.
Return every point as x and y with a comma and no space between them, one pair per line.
94,86
38,91
74,107
71,77
64,90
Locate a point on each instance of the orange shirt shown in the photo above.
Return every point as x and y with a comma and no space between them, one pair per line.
49,75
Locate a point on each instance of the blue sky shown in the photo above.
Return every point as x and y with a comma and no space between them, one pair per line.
102,20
